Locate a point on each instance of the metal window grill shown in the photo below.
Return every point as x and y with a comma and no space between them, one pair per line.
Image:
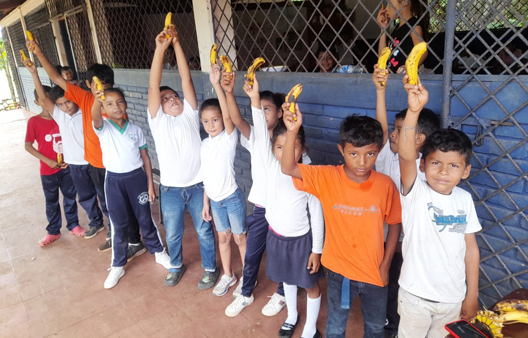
290,33
59,7
126,30
81,40
37,22
18,39
12,65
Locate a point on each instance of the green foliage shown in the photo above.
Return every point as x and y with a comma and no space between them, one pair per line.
3,56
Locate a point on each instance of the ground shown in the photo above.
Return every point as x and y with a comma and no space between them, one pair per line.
57,291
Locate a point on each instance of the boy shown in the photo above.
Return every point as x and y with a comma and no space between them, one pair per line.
387,163
175,126
356,201
68,117
67,74
54,176
440,252
92,148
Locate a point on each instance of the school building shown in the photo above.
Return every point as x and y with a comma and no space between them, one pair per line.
476,73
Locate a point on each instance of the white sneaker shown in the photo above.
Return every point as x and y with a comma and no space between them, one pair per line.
225,283
238,305
238,290
113,277
274,306
163,258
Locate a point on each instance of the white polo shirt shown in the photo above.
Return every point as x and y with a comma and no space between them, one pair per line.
218,159
71,129
178,142
388,163
121,147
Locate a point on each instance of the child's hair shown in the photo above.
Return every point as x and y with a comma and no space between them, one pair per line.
59,69
281,129
275,98
428,122
448,140
360,131
47,89
103,72
210,103
65,69
162,88
417,10
56,93
117,91
332,50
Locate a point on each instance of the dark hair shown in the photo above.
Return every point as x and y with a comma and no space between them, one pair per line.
66,68
419,11
103,72
58,68
332,49
162,88
47,89
210,103
115,90
281,129
428,122
448,140
360,131
276,99
56,93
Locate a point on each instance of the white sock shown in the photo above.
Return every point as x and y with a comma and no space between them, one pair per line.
312,312
290,292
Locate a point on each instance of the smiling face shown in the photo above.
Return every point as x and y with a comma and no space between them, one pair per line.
66,106
114,106
212,121
359,161
444,170
171,103
326,62
278,146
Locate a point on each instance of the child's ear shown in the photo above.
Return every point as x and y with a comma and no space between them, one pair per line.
279,113
341,150
420,139
422,165
37,102
88,83
467,171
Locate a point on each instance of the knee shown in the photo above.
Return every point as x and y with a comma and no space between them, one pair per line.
224,237
240,239
314,292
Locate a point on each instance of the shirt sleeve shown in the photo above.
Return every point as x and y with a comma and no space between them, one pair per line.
232,139
100,131
310,179
262,139
473,224
393,208
81,97
248,143
317,223
142,142
193,113
155,121
31,134
58,115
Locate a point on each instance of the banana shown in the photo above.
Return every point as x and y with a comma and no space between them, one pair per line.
227,63
383,58
514,317
511,305
253,68
411,64
59,158
99,85
24,58
292,96
168,21
30,38
489,321
214,51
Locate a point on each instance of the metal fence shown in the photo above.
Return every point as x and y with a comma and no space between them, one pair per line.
12,65
37,22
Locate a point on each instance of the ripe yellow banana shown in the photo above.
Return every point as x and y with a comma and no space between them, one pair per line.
413,60
168,21
511,305
214,51
30,38
227,63
383,58
489,321
99,85
24,58
253,68
292,96
513,317
59,158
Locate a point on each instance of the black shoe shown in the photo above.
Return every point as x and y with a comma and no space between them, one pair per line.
93,231
391,335
317,334
173,278
135,250
107,245
208,279
287,329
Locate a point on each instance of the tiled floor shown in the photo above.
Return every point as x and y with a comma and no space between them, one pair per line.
58,291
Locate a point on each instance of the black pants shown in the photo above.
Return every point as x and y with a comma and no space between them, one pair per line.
98,178
393,317
51,185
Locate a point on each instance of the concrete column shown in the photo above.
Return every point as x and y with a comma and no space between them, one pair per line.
204,31
97,49
58,42
23,22
225,34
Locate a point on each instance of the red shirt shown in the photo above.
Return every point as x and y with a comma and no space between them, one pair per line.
46,133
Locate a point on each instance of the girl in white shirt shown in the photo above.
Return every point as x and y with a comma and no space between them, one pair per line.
222,195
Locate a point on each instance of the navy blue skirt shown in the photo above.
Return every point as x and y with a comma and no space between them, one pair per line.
287,259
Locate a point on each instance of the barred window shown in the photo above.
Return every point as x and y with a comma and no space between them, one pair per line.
37,22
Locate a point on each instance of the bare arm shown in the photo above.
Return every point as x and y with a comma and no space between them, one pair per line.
50,162
206,214
96,110
154,95
392,241
214,77
147,165
472,259
293,123
228,82
379,77
48,67
43,98
183,67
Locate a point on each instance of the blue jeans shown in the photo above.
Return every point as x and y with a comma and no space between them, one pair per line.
51,185
173,203
373,307
230,213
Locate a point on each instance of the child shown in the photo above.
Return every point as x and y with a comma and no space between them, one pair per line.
387,163
356,201
222,195
440,252
175,126
410,14
294,241
67,74
54,176
129,185
69,119
92,149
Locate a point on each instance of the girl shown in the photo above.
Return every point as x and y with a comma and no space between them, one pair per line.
128,185
410,15
222,194
294,241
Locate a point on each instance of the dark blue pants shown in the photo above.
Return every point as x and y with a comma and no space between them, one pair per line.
51,185
392,300
98,178
127,196
87,195
257,229
373,306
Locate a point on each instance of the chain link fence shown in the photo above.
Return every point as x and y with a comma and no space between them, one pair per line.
13,65
18,40
81,41
37,22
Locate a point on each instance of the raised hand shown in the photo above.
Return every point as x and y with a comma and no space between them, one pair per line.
228,81
215,74
293,121
380,78
252,90
162,41
417,95
383,18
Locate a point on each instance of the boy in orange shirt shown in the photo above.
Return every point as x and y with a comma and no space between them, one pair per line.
356,201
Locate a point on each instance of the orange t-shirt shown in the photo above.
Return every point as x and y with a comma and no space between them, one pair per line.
354,214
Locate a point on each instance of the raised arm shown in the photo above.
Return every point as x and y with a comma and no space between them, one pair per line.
417,99
214,77
472,259
183,67
43,98
96,110
154,95
228,82
48,67
380,78
293,122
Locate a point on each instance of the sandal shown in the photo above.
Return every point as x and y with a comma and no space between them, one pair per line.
48,239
